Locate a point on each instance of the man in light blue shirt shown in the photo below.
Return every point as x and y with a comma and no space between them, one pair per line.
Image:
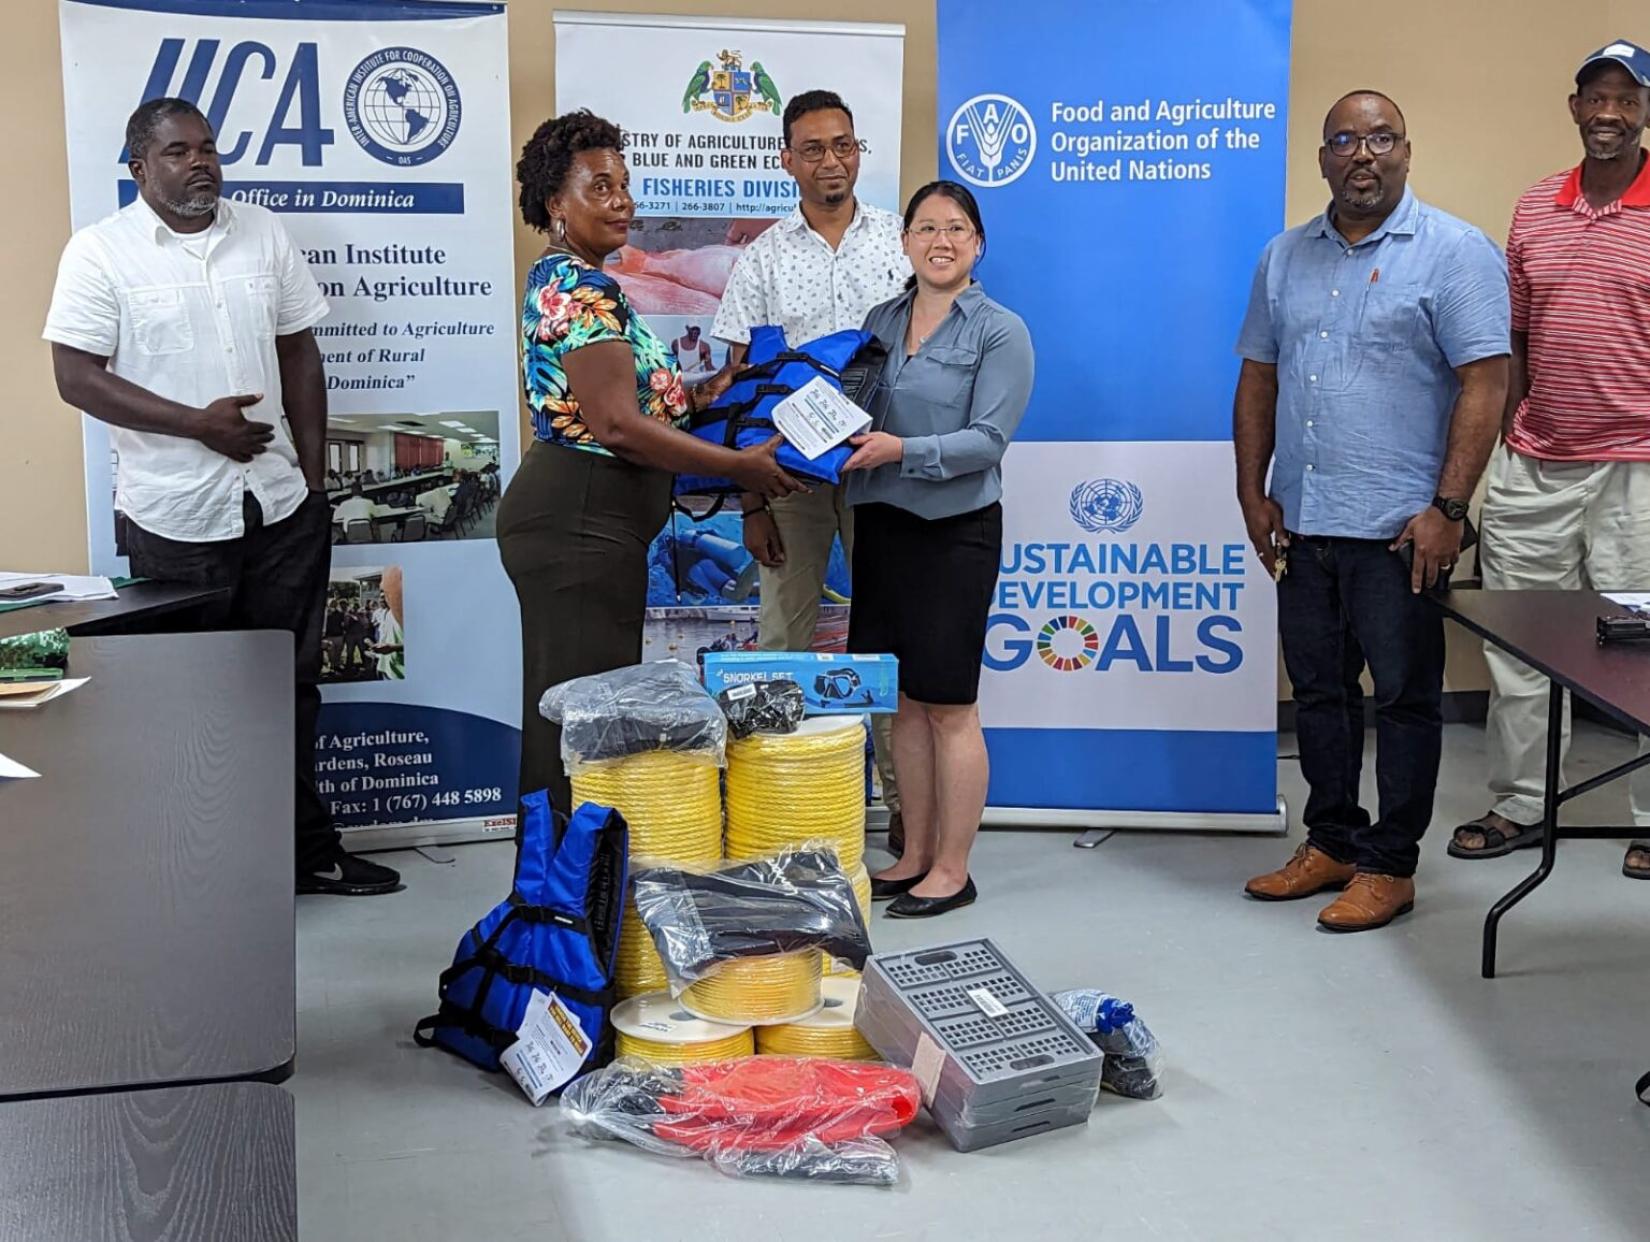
1374,374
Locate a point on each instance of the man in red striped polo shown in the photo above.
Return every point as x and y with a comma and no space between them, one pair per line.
1568,500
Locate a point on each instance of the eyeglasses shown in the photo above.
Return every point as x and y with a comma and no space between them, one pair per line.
813,152
1346,145
954,233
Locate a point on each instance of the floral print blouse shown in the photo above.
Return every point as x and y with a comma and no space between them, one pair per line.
569,305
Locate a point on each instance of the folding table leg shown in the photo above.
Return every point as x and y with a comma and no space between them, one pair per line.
1549,827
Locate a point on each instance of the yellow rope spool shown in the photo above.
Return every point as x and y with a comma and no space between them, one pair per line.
829,1033
862,894
788,789
757,991
655,1029
672,804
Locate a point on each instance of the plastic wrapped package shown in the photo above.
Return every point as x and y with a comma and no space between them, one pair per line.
1134,1061
785,903
42,649
793,1117
776,706
658,706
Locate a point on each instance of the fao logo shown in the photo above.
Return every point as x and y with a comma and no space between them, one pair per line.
990,140
1106,505
402,106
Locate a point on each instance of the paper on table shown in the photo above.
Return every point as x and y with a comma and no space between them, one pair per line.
817,417
11,770
48,692
75,586
1638,601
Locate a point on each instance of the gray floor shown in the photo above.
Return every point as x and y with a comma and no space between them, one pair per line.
1321,1087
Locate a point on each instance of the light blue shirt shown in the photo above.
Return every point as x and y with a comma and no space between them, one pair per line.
1366,340
955,403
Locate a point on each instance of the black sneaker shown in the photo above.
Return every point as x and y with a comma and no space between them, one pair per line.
345,875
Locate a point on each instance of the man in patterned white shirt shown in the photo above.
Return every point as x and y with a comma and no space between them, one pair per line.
817,271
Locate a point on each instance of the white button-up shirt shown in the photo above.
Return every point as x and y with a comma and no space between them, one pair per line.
191,318
790,276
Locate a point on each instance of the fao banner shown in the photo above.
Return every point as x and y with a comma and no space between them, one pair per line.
380,132
1129,162
701,100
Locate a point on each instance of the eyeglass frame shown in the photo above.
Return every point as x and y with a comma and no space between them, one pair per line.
970,233
1363,141
801,153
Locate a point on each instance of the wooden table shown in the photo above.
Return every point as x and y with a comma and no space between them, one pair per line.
212,1163
1554,632
143,607
146,878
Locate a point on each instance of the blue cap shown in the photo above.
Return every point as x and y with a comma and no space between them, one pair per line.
1630,56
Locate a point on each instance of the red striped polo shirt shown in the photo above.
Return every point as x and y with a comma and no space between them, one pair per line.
1581,288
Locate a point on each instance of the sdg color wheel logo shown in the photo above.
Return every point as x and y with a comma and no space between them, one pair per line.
1102,505
1067,644
402,106
990,140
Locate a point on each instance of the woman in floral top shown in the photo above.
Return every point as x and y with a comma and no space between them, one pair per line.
608,406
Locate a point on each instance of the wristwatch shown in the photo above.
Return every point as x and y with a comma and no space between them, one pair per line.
1454,510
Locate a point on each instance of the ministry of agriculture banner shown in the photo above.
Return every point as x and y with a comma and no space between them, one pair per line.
380,132
700,101
1129,162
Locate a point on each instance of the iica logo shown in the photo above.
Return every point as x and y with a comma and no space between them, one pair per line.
402,106
1067,644
990,140
1103,505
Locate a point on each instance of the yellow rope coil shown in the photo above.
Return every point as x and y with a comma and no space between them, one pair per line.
672,804
862,894
757,991
829,1033
656,1029
788,789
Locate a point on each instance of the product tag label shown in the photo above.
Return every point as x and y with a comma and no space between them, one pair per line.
989,1005
550,1048
739,693
926,1066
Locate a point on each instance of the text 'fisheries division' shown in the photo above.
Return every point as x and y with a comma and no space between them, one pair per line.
991,139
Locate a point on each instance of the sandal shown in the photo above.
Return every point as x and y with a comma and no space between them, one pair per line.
1498,842
1632,872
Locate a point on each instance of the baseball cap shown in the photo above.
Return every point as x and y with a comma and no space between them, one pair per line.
1630,56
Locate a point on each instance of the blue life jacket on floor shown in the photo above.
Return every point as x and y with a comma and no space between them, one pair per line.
558,931
850,361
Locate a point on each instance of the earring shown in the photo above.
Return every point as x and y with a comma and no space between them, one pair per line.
561,230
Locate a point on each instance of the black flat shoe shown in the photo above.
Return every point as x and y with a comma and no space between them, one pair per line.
911,906
883,890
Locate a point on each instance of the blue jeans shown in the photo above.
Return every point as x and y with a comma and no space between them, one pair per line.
1343,604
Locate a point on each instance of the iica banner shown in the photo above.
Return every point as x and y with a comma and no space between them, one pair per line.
380,132
701,101
1129,163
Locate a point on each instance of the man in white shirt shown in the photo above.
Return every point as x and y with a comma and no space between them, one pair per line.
183,321
692,354
818,271
355,507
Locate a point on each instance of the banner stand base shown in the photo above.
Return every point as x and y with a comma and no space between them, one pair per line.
1273,823
376,837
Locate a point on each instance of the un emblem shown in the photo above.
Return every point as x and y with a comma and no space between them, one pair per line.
402,106
990,140
1106,505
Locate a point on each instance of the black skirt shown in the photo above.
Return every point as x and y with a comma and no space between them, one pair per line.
922,591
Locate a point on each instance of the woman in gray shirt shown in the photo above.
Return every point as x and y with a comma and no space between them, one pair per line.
925,483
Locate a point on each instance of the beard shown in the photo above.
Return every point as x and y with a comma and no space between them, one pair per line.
1609,145
194,205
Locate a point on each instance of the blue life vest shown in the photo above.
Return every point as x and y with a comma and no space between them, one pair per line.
558,931
850,361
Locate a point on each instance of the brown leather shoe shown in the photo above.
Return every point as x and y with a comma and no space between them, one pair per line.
1309,871
1370,901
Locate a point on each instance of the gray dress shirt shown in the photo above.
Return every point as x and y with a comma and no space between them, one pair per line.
955,403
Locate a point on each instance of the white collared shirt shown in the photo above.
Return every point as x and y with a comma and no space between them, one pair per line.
790,276
191,318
